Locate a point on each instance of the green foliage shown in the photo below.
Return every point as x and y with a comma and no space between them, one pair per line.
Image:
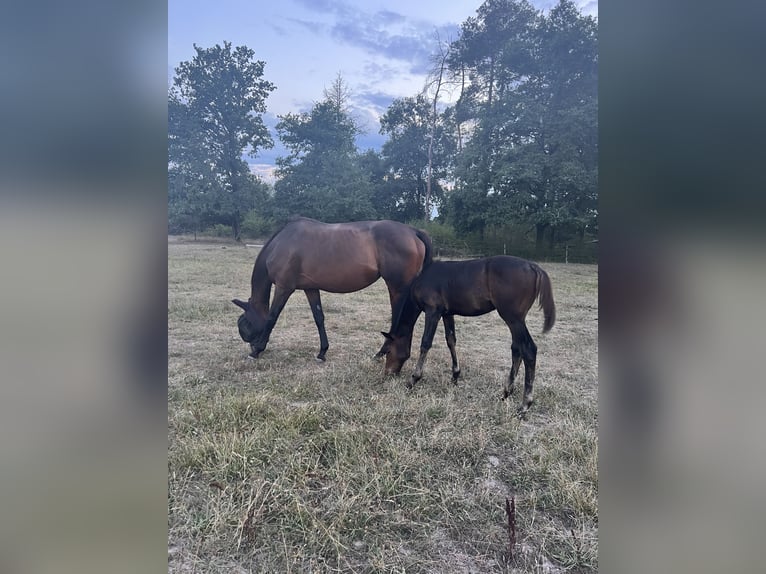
407,123
215,109
532,158
256,225
218,230
513,163
323,175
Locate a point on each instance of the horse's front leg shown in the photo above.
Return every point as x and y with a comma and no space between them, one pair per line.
316,309
280,299
432,321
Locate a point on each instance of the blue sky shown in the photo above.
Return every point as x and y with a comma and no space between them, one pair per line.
380,47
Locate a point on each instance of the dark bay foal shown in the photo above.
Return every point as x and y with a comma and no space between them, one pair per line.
470,288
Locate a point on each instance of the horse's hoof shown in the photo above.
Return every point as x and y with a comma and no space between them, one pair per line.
320,360
251,358
522,411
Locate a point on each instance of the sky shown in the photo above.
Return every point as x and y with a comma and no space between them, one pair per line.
381,48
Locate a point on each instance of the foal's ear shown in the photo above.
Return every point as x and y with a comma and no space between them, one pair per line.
387,335
244,306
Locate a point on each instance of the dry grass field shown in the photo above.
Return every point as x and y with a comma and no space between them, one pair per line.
286,465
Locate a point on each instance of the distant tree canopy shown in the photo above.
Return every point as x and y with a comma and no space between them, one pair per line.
215,109
515,156
322,177
531,107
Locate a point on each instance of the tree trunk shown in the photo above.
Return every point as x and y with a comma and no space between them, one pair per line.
539,236
236,228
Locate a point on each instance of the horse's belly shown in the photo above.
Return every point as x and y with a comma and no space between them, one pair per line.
470,307
344,280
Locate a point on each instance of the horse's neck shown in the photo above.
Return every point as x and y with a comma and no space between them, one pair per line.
407,315
260,288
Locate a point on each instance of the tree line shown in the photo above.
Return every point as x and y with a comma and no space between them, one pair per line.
513,160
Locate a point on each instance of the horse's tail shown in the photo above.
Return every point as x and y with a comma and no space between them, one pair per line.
545,297
426,239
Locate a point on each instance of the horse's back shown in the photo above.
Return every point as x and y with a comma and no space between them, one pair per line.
455,287
343,257
513,281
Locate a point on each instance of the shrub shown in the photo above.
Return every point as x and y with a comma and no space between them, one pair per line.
256,226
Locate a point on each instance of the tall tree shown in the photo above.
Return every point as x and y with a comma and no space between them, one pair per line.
413,151
321,177
215,110
556,128
531,158
434,86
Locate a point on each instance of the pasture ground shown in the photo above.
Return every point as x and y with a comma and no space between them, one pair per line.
287,465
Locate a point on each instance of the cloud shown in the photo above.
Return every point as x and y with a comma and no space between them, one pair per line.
265,171
589,8
377,100
388,17
384,33
311,25
335,7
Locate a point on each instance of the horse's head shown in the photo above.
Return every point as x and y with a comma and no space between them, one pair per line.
398,351
250,325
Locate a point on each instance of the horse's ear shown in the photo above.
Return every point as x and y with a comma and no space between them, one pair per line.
387,335
244,306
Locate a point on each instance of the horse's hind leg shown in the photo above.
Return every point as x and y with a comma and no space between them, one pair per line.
510,383
315,303
523,347
449,333
529,354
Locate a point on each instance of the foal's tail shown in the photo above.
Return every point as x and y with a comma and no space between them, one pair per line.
426,239
545,297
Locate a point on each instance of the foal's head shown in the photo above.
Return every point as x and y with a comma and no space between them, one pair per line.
398,351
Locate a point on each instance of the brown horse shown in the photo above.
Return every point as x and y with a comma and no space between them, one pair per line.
471,288
340,258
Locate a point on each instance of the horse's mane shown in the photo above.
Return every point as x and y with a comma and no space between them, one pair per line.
262,253
292,219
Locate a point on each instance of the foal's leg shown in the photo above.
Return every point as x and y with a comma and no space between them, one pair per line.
529,354
516,355
316,309
449,333
280,299
432,321
523,347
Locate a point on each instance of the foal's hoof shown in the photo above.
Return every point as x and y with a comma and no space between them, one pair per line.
522,411
320,360
251,358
